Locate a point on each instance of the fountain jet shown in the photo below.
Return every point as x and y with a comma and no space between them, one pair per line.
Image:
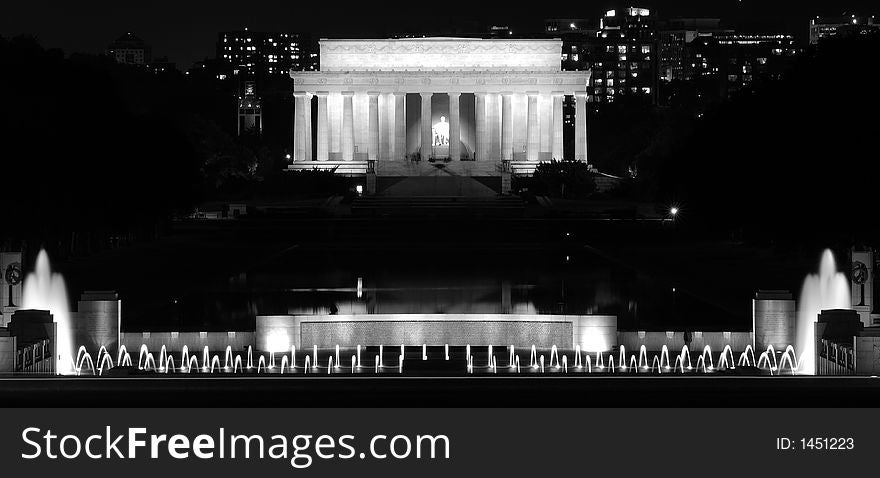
828,289
45,290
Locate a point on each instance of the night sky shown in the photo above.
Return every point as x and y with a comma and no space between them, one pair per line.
186,30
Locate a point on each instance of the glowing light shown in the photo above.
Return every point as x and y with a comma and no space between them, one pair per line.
828,289
673,211
45,290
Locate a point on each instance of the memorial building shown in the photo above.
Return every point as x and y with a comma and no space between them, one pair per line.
485,105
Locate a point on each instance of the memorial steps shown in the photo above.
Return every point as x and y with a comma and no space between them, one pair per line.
505,206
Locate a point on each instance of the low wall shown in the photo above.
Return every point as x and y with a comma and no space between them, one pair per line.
194,341
591,332
674,341
7,354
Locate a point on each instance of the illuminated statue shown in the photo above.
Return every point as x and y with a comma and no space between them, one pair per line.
441,132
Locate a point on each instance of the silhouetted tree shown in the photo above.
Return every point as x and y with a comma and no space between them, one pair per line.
795,159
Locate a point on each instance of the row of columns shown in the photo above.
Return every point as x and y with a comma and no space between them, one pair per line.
505,124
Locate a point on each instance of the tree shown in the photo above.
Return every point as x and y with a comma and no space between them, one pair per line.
564,179
795,159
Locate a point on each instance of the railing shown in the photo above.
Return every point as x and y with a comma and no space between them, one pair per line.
835,359
35,358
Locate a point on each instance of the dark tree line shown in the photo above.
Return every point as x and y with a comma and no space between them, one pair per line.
95,152
795,160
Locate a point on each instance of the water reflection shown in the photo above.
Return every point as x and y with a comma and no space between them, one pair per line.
441,281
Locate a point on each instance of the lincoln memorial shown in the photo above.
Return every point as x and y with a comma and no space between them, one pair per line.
484,102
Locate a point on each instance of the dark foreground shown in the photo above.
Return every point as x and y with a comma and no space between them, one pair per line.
441,392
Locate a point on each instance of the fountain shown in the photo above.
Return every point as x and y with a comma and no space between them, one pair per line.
45,290
828,289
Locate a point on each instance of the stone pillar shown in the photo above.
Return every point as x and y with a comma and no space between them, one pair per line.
386,126
399,125
454,127
427,142
334,114
307,112
482,150
534,133
493,125
299,127
546,124
323,128
347,126
373,121
360,117
557,125
520,125
506,126
580,127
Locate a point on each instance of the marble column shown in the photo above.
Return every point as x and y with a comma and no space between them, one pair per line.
557,125
347,126
334,114
454,127
386,115
323,146
308,126
482,149
533,145
520,125
546,124
580,126
506,126
373,120
299,127
427,139
399,125
493,125
360,118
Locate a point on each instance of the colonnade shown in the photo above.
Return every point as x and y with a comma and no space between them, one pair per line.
355,126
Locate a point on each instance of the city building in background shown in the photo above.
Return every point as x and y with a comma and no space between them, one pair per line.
625,59
265,54
677,59
827,27
737,60
250,111
253,67
130,50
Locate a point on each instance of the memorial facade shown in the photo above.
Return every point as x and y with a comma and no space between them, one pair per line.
482,100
